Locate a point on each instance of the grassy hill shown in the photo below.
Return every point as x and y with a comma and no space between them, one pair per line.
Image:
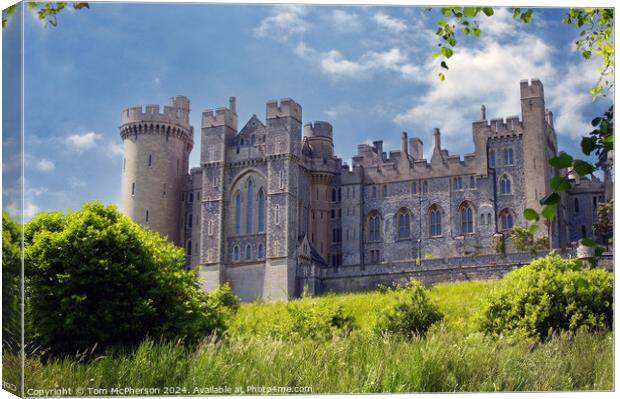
452,356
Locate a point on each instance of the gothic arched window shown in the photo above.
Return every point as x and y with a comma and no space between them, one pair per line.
505,185
374,227
261,211
238,213
261,251
435,221
506,219
250,209
467,219
334,195
248,252
492,158
189,247
236,254
404,224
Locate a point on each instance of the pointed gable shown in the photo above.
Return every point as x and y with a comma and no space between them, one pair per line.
252,125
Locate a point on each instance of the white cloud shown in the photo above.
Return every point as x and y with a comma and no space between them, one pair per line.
334,64
29,206
569,97
390,23
285,21
81,142
115,150
500,24
345,21
45,165
488,74
339,110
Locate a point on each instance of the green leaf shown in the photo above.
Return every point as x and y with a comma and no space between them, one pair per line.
527,16
533,229
588,144
442,77
586,54
475,31
560,184
516,13
444,65
549,211
446,52
561,161
530,214
550,199
598,250
588,242
470,11
488,11
583,168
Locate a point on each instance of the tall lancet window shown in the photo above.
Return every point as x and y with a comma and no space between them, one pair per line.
261,211
250,210
238,213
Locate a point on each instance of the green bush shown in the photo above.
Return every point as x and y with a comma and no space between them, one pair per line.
411,314
95,277
317,320
11,282
549,295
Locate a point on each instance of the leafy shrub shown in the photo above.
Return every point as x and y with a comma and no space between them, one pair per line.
314,320
548,295
95,277
412,313
11,281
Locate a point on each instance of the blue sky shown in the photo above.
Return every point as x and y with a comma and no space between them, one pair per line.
367,70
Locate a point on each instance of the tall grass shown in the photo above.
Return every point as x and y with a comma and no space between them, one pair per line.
452,356
444,361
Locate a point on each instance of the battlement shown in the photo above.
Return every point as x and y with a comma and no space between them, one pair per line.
507,125
177,112
221,116
531,88
318,129
286,108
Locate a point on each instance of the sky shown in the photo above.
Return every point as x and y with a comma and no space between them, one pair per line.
368,70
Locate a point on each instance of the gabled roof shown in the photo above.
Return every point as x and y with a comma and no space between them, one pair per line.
252,125
302,240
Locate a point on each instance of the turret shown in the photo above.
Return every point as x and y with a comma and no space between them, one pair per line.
156,149
416,148
535,143
320,137
284,120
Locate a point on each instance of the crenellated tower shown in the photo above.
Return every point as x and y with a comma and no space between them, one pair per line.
283,151
156,149
539,143
319,135
219,128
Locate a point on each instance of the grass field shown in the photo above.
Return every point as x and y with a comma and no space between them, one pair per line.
452,357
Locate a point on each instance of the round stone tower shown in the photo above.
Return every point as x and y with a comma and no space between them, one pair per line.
155,163
319,136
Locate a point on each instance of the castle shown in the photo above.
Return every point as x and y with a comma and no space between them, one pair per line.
271,204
